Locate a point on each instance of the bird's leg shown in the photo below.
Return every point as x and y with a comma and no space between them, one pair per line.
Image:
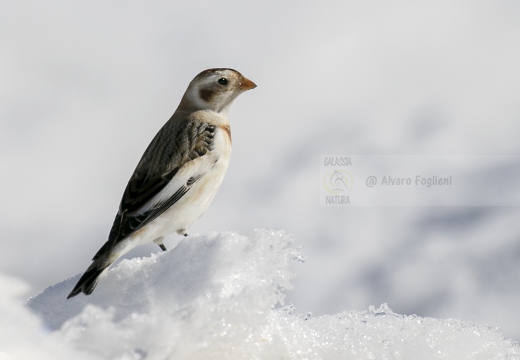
159,241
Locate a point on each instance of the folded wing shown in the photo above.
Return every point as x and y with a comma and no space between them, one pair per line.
183,154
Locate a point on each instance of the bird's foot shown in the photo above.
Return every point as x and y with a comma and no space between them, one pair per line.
163,248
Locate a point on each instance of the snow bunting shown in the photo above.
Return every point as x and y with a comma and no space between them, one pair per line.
179,173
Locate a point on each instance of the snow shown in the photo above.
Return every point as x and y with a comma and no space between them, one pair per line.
221,296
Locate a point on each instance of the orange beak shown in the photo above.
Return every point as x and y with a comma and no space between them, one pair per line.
247,84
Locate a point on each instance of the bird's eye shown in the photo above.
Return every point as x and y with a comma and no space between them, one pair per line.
222,81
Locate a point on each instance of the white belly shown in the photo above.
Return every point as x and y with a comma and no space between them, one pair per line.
194,203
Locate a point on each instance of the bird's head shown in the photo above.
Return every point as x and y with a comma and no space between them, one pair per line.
215,89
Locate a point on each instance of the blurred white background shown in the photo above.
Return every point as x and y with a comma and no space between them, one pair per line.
86,85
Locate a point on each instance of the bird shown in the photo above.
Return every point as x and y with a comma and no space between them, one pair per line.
178,175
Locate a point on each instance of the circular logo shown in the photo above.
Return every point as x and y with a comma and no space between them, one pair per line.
338,181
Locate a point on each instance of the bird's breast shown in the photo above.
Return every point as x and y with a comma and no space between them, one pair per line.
222,143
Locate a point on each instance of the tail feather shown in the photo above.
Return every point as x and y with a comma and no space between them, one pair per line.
87,283
108,253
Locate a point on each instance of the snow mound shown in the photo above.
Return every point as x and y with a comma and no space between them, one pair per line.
220,296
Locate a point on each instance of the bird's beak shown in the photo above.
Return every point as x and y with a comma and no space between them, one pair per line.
247,84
